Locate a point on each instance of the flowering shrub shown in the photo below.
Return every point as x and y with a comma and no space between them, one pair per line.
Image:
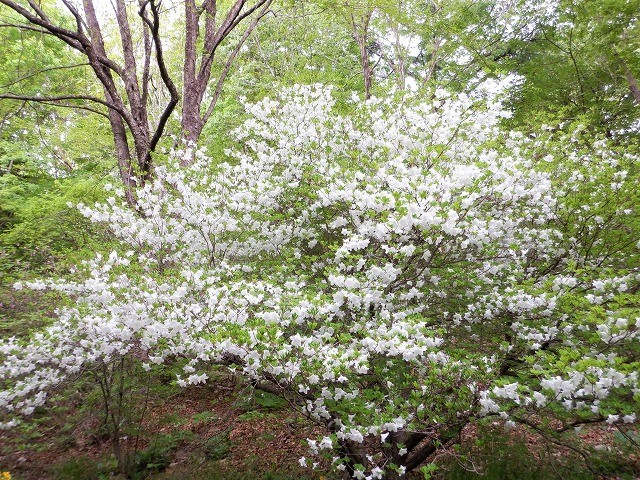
397,273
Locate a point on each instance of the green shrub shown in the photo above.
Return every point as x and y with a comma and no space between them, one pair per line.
157,456
217,447
497,455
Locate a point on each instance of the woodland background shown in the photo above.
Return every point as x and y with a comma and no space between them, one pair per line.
572,67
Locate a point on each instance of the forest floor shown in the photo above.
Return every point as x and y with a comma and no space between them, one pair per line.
217,431
222,431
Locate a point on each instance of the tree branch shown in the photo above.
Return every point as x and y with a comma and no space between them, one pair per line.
25,27
231,58
38,9
77,107
75,14
71,38
39,72
154,27
214,41
246,14
61,98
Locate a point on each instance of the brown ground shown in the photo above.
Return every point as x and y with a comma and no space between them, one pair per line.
251,438
260,440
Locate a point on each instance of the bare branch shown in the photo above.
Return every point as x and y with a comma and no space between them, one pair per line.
77,107
222,32
61,98
76,40
231,58
75,14
154,27
245,14
38,9
24,27
40,72
69,37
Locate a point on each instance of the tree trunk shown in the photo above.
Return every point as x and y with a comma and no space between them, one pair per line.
361,34
197,68
124,156
399,66
633,83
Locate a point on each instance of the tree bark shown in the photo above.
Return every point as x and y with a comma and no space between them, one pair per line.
399,64
633,83
198,69
361,34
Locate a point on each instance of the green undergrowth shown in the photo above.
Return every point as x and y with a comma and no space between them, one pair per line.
260,404
179,454
207,461
498,455
251,470
84,468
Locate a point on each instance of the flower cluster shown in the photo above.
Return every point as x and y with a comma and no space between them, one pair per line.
398,271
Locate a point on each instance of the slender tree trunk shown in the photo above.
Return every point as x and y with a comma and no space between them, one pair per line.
191,127
124,156
367,72
361,34
399,66
633,83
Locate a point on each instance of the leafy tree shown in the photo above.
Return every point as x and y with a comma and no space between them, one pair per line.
126,77
581,65
46,156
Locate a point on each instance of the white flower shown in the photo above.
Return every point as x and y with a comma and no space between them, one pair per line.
359,474
611,419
